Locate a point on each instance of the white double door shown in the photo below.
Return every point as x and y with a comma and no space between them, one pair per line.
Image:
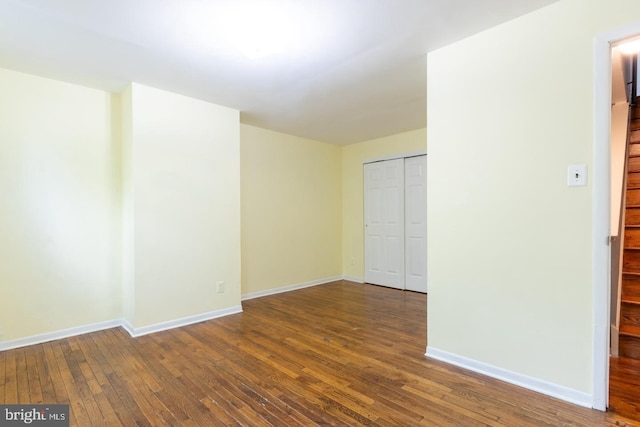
395,223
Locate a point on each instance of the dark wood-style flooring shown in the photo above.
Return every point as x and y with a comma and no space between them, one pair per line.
624,387
334,355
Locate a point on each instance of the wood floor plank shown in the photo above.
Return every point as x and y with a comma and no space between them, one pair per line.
275,386
119,402
57,381
98,382
77,411
3,376
331,355
625,387
249,388
11,377
22,376
47,388
218,392
130,379
35,387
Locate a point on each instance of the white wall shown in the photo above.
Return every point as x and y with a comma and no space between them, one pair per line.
182,206
510,247
59,207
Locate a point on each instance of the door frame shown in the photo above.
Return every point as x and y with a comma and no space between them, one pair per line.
601,209
395,156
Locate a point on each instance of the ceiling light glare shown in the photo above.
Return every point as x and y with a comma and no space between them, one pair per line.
259,29
631,47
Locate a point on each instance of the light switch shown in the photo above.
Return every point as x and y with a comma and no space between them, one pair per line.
577,175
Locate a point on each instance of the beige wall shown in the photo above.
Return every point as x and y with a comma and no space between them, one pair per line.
353,157
59,209
128,206
510,247
291,210
114,206
182,177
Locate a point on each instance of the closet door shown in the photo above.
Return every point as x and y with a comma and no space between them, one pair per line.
384,223
415,170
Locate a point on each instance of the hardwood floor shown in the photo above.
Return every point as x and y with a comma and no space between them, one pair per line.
334,355
624,390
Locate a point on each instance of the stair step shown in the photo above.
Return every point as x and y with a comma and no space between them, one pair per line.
630,331
632,236
631,261
629,346
630,299
629,338
633,178
630,318
633,164
631,253
633,196
630,285
632,215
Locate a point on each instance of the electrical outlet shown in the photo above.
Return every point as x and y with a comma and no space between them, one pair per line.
220,287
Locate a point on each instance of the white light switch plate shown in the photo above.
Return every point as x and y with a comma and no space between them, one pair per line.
577,175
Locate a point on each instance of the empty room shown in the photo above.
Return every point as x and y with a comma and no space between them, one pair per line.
279,212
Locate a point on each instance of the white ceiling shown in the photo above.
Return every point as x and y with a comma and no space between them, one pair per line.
350,70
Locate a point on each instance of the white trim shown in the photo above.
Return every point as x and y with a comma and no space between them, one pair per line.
535,384
177,323
395,156
289,288
134,332
600,209
353,279
601,223
56,335
162,326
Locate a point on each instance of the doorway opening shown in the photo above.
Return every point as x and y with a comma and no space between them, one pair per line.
624,359
605,382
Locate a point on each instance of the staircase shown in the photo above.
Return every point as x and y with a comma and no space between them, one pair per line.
629,338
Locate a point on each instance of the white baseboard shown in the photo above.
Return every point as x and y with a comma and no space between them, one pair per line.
56,335
535,384
134,332
162,326
177,323
353,279
290,288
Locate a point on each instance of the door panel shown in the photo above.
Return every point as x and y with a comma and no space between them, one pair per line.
416,223
375,249
384,223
